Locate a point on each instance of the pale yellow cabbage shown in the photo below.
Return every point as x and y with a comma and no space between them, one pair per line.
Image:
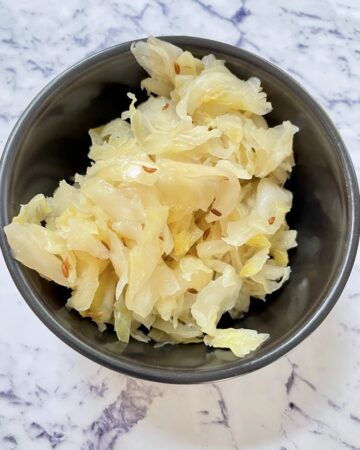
181,214
216,298
239,341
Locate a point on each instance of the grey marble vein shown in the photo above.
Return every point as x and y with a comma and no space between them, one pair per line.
120,416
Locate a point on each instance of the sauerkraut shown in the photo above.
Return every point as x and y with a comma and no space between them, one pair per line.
181,215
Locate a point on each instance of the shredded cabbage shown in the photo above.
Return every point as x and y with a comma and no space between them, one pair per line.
181,215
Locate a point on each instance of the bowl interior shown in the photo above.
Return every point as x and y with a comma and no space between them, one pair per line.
53,144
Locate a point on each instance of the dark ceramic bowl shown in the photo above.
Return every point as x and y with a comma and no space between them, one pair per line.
50,142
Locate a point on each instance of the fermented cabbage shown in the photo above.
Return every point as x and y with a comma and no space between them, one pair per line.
181,215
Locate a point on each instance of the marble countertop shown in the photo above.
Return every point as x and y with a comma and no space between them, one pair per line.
52,397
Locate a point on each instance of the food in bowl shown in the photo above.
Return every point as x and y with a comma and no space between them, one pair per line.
181,216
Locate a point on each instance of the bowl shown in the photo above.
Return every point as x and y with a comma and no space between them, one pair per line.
50,142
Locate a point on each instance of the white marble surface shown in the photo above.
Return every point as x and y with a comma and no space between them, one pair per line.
51,397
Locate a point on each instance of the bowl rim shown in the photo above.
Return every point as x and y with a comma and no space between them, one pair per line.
186,376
